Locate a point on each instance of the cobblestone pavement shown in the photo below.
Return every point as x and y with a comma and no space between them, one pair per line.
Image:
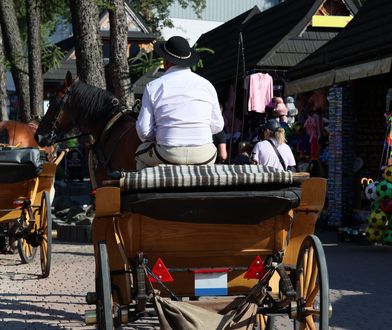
361,289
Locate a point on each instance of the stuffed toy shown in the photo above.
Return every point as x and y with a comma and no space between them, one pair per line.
292,111
280,111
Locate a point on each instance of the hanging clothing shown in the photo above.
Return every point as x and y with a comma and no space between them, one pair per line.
261,91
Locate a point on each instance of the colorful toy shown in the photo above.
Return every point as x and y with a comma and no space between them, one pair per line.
371,191
388,173
374,234
384,190
376,205
378,218
386,206
387,239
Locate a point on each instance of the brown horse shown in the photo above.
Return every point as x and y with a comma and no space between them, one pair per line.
15,133
95,112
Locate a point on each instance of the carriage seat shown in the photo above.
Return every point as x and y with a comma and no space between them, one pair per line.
19,164
210,193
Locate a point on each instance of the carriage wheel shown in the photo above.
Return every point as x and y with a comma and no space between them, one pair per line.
45,229
103,289
26,251
312,286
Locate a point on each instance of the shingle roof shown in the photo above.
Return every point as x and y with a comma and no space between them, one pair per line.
273,39
367,37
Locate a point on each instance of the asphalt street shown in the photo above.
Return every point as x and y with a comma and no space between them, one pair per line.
360,282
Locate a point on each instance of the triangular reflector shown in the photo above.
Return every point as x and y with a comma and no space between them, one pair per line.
161,272
256,270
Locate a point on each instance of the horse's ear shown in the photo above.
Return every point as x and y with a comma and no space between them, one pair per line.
68,79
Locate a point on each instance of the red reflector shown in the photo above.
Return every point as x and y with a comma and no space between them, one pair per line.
18,202
93,192
161,272
256,270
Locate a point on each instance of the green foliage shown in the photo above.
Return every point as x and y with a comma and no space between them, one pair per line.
143,63
51,57
156,13
53,13
201,50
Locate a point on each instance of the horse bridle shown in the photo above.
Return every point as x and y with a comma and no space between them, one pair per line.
52,135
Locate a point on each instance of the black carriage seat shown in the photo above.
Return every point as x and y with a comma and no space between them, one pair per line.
19,164
232,194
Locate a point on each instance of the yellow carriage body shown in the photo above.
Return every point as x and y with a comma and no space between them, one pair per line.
190,245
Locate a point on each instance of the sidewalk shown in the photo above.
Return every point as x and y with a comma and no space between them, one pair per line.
57,302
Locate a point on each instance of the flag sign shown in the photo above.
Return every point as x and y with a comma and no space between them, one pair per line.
211,282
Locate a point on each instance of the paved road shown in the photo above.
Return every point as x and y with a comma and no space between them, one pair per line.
360,281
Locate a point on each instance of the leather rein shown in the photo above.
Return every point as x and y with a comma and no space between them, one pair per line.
96,149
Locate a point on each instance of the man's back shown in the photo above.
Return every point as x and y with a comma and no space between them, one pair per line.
185,108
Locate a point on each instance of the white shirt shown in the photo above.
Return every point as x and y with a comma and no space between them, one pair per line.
264,154
180,108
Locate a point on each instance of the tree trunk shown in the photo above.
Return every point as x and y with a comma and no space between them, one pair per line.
3,87
35,65
88,45
14,51
119,70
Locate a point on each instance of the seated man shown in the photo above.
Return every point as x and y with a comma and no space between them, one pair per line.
180,112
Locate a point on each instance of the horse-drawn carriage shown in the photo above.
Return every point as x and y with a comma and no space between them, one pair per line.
242,232
160,234
26,182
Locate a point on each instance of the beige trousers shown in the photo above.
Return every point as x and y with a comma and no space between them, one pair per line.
151,154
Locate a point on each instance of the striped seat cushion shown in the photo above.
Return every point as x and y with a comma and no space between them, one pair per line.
190,176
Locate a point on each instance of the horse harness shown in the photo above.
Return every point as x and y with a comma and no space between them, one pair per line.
96,149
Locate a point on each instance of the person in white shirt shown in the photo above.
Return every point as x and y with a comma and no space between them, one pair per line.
273,151
180,112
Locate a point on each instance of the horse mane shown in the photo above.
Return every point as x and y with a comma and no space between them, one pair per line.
91,103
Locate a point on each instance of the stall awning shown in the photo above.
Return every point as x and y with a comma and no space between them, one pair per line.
330,77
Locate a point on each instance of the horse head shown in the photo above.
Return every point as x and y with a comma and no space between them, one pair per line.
95,112
57,121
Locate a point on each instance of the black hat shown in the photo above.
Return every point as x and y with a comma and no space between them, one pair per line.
272,125
177,51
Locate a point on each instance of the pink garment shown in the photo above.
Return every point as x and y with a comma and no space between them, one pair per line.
260,91
313,126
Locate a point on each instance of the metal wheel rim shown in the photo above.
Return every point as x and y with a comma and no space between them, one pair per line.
45,226
312,280
26,251
103,289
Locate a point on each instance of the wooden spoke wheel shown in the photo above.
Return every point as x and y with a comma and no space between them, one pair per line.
26,251
104,304
312,286
45,232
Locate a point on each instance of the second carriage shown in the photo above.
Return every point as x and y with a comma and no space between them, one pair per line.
26,186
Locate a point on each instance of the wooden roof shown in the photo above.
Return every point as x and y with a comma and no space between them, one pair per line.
367,38
275,39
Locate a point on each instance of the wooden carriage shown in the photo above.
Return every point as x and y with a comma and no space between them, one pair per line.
191,221
26,183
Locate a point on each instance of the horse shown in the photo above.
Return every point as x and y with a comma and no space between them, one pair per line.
15,133
98,114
